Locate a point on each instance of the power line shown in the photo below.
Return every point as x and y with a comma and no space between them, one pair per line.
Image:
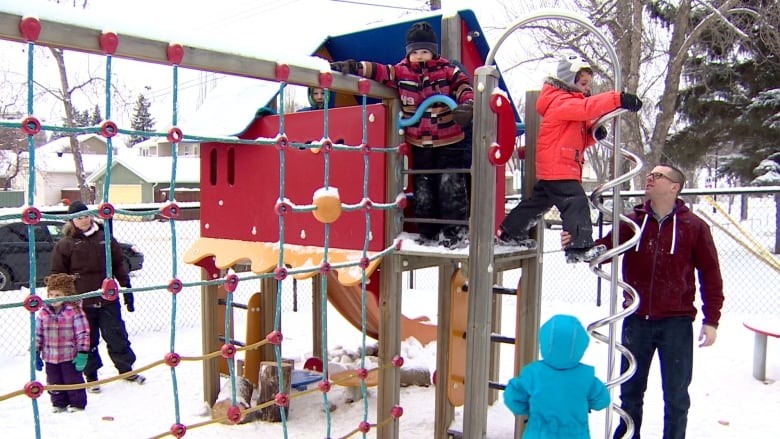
376,5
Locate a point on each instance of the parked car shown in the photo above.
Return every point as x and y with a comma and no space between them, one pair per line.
15,258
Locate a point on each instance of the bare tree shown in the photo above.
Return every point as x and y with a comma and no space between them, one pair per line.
651,51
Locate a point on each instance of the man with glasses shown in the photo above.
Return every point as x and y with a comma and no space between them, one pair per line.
674,245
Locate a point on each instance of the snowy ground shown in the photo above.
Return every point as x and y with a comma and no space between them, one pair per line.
727,401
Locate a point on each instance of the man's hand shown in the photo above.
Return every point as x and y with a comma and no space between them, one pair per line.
565,239
707,335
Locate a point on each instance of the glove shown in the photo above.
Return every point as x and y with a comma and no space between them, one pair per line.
601,133
630,102
129,302
38,362
349,66
463,113
80,361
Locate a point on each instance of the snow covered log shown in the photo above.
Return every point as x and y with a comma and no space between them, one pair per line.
244,390
268,387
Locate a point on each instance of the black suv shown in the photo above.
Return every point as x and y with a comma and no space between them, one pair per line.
15,258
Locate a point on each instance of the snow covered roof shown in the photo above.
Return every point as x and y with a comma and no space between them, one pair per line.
155,169
63,163
62,144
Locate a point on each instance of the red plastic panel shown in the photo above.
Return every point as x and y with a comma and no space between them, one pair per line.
245,210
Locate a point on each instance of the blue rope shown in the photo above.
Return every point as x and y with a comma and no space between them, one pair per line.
424,106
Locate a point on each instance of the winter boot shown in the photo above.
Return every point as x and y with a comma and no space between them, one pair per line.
90,378
507,240
575,255
137,378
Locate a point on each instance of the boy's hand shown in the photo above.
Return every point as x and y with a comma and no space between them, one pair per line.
129,301
630,102
349,66
38,362
565,239
463,114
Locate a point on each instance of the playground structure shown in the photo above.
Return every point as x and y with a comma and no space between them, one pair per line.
338,252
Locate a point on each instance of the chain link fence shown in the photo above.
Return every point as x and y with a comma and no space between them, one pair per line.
750,283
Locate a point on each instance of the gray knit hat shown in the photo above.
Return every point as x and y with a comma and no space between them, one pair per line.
569,66
422,36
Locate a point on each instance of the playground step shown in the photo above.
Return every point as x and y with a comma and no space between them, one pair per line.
497,289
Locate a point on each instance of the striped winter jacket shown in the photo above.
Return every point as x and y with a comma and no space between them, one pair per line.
60,335
415,83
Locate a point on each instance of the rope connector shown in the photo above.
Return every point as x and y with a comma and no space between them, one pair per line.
30,28
31,125
178,430
175,286
31,215
33,303
109,41
110,290
33,389
172,359
106,211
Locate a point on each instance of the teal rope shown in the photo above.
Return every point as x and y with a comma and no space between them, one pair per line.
171,198
364,280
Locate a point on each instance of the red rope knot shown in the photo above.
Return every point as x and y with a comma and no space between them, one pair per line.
170,211
325,268
30,28
33,389
366,149
282,207
397,411
178,430
234,414
364,86
231,282
31,125
327,145
33,303
274,337
228,351
172,359
398,361
175,286
282,142
108,129
282,72
365,262
109,42
282,399
31,215
175,53
280,273
326,79
364,427
175,135
110,289
106,211
324,386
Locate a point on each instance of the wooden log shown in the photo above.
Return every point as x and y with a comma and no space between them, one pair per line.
244,390
268,380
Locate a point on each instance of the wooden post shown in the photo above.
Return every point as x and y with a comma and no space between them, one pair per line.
209,341
253,335
268,289
244,391
444,411
269,387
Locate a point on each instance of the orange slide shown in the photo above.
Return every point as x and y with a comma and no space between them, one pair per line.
347,301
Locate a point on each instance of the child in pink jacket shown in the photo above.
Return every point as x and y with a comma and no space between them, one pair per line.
62,343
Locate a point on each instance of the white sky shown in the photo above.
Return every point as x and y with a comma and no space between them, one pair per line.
286,26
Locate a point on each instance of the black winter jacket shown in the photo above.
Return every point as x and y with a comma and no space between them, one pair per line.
85,257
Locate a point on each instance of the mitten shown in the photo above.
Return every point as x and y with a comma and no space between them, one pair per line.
38,362
80,361
349,66
463,113
601,133
630,102
129,302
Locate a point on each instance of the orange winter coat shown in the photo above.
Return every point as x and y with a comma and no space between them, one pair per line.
566,128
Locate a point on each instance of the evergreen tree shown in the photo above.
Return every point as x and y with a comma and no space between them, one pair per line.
142,119
95,118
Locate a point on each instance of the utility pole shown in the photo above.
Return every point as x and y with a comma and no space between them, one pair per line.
435,5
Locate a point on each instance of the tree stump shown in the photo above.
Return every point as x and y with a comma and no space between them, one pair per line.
268,387
244,390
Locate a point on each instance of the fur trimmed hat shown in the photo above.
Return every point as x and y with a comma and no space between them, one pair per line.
76,206
569,66
422,36
61,282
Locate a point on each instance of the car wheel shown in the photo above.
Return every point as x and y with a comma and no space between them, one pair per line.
5,279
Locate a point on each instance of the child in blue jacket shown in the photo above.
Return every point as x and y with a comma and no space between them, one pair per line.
557,392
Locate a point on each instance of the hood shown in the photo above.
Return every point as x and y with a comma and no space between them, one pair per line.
331,99
563,341
645,211
552,89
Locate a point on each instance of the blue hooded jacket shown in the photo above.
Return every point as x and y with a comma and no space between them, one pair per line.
558,392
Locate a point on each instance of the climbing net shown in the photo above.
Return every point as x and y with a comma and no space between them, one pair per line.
30,29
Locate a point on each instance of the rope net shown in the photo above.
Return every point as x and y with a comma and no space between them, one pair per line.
31,215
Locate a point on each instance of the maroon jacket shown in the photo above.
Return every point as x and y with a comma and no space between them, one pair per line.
415,83
663,267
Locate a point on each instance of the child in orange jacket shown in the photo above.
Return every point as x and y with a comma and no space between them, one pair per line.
568,112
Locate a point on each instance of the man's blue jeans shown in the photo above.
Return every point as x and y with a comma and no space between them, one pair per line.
673,339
